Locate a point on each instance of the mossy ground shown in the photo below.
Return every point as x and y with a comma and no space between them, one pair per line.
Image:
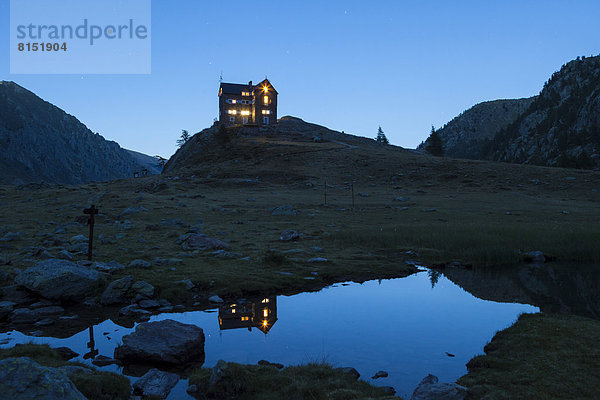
541,356
95,385
310,381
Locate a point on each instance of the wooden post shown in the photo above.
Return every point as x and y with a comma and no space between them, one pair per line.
92,212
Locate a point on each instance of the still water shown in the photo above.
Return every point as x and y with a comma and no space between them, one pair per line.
402,326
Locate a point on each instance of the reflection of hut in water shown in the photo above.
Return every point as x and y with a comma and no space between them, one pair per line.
261,315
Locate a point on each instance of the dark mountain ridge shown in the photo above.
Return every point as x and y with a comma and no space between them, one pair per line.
39,142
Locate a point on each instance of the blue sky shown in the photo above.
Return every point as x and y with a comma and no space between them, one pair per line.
348,65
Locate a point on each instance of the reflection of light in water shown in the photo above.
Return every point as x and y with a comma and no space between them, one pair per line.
405,328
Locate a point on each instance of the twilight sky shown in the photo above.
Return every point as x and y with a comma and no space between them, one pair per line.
348,65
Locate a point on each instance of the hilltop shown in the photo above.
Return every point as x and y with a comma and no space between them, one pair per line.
39,142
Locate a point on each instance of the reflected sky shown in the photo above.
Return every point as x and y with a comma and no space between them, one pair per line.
403,326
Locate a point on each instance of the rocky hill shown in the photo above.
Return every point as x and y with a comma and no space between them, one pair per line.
41,143
464,136
559,127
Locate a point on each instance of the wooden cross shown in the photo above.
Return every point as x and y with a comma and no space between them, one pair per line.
92,212
91,345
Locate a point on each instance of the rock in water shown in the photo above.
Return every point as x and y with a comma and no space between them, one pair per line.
431,389
163,342
59,280
195,241
22,378
156,383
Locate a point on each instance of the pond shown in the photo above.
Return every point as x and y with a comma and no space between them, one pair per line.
409,327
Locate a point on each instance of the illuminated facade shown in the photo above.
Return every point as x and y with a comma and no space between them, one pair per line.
261,315
249,104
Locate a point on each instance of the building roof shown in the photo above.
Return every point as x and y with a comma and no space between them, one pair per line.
234,88
238,88
268,84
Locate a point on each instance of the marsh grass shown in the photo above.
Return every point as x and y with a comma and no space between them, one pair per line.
480,243
316,381
95,385
541,356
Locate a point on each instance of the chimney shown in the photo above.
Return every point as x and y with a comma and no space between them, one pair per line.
250,83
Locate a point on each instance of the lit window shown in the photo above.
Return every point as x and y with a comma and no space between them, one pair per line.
245,318
265,323
266,100
265,301
266,312
245,93
231,112
233,310
231,101
245,112
266,89
266,112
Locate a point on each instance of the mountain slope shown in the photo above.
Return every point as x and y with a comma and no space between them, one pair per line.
561,127
41,143
464,136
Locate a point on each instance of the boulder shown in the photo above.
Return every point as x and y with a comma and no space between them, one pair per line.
380,374
534,257
288,236
17,295
111,266
103,361
24,316
196,241
143,288
162,342
66,353
11,236
155,383
189,285
350,370
78,239
116,292
215,299
78,248
59,280
431,389
318,260
266,363
139,264
133,311
6,308
23,378
149,304
284,210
